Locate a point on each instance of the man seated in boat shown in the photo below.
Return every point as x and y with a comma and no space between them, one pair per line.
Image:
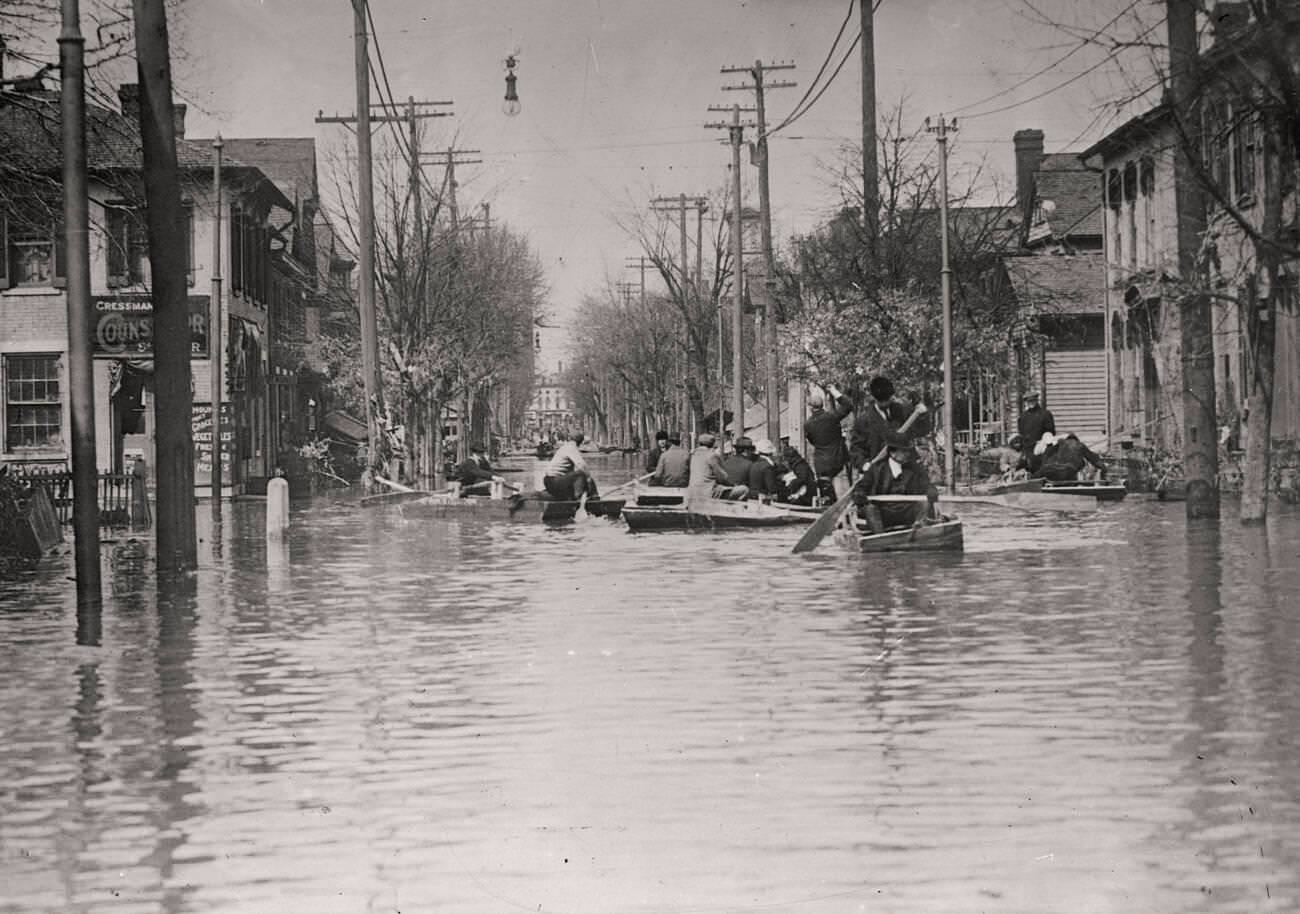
796,481
738,462
661,445
475,473
762,472
674,466
708,477
900,473
567,477
1066,456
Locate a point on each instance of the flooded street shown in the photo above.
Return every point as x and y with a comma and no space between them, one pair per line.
1099,713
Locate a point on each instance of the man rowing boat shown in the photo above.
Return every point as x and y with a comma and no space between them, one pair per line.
475,473
898,474
567,476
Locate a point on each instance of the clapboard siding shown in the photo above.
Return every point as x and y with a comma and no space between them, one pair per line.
1076,392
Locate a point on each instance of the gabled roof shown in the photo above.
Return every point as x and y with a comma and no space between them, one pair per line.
1137,132
1075,191
288,161
31,142
1059,283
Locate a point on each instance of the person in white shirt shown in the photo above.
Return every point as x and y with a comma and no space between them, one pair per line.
567,477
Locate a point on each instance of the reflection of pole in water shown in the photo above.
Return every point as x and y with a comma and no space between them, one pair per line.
277,564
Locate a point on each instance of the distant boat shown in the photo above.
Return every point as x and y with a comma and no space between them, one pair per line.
1099,489
528,507
666,510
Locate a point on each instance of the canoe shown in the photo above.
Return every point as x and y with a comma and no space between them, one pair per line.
943,536
526,508
1098,489
1028,501
718,515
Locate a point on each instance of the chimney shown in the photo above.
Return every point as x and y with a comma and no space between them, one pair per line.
128,95
1029,155
178,119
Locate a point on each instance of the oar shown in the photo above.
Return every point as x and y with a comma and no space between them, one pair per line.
630,482
831,516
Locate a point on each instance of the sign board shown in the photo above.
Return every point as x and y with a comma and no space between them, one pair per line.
201,428
122,326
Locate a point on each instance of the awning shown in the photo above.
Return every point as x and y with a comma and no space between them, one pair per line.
346,425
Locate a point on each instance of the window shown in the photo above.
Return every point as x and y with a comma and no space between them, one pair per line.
1243,156
33,409
31,234
128,244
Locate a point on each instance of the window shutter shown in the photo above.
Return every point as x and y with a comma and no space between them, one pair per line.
59,278
187,232
115,219
236,250
4,251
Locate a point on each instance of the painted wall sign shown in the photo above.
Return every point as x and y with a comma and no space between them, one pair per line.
123,327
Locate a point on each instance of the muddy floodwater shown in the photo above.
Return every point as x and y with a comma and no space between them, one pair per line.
1091,713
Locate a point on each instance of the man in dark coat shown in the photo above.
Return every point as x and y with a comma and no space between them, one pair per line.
475,473
899,473
875,421
1033,422
1065,457
661,445
674,468
738,462
797,481
825,434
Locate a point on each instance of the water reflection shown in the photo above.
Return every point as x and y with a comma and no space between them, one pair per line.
1092,713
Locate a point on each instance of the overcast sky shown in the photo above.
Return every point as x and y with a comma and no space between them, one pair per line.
615,94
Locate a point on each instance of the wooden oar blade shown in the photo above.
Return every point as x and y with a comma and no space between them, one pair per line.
822,527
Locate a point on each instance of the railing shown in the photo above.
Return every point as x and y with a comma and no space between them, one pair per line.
116,494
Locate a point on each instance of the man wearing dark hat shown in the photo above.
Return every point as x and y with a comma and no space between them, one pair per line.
738,462
899,473
475,473
762,471
674,467
874,422
825,433
1033,422
661,445
708,477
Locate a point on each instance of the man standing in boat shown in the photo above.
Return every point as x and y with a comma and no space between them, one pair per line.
900,473
674,467
708,478
875,422
825,433
567,477
1033,422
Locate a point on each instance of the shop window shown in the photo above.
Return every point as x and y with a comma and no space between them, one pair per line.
33,404
33,246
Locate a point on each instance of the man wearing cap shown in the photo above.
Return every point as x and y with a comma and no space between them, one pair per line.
762,471
661,445
674,467
874,422
899,473
826,435
708,478
738,462
1033,422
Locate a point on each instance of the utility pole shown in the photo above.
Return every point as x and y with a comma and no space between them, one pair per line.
215,330
680,204
760,157
735,136
177,546
449,160
941,131
371,378
870,168
76,221
1200,423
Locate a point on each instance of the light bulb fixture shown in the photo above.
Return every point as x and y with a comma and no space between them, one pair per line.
511,105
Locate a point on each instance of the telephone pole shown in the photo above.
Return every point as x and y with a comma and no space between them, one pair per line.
870,167
759,155
941,131
1200,422
449,160
680,204
735,136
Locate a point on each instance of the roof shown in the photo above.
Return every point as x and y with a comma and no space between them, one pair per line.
1076,192
1059,283
1137,131
31,140
289,161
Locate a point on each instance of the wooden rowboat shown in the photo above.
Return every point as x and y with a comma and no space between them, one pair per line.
944,535
717,515
527,508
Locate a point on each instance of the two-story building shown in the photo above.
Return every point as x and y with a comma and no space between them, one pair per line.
263,282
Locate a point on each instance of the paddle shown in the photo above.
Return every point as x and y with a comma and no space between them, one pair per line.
831,516
630,482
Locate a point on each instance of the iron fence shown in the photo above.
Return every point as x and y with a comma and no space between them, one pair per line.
116,494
